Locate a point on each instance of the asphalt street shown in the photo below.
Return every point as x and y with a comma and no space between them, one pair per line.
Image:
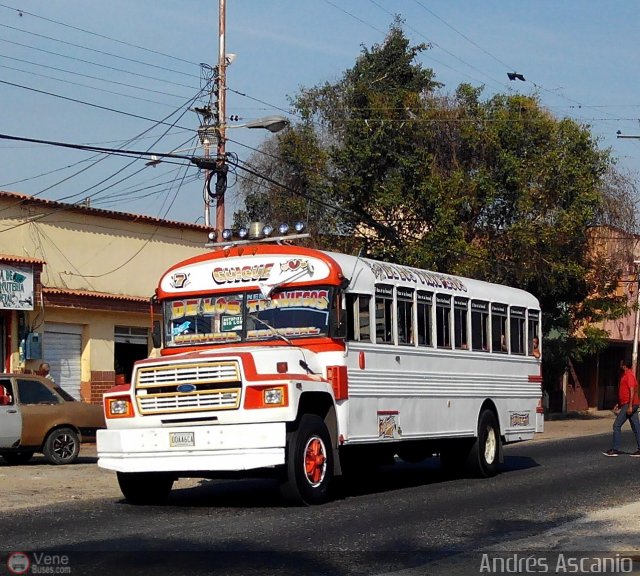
407,518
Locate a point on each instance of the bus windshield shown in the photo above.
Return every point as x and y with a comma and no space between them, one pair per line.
247,317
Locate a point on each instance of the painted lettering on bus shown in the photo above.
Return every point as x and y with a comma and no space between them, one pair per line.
205,307
317,299
235,274
393,271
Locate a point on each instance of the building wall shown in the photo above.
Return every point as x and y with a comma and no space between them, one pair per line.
92,268
592,382
86,250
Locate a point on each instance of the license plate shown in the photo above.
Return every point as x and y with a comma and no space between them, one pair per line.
177,439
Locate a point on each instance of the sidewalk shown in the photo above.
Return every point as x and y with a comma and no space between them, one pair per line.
609,530
575,424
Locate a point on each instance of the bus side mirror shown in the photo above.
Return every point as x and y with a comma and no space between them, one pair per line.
156,335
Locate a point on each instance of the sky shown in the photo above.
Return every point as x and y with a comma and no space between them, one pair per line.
123,74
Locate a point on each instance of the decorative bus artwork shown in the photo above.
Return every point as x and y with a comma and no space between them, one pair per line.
297,362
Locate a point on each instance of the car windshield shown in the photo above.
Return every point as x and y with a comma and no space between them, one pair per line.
247,317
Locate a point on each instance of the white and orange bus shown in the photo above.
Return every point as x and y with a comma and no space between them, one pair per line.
298,362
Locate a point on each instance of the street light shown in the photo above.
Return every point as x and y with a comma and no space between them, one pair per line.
272,123
211,134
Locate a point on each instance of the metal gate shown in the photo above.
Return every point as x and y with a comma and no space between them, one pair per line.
62,349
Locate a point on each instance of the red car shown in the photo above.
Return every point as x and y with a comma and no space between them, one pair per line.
38,416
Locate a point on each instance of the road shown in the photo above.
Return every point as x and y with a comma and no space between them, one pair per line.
407,517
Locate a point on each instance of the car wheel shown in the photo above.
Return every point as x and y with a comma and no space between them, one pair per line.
21,457
144,488
61,446
309,467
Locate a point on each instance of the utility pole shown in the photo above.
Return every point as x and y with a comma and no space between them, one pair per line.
213,124
221,160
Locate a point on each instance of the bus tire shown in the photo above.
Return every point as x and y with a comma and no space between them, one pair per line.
61,446
145,488
483,458
309,463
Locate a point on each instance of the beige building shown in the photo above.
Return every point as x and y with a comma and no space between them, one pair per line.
592,382
75,288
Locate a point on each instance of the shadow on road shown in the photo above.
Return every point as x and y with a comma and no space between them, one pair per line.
264,493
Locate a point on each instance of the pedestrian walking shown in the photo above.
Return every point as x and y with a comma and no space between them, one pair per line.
626,409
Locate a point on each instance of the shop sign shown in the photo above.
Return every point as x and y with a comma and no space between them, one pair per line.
16,288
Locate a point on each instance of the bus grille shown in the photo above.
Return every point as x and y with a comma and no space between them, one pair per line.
188,387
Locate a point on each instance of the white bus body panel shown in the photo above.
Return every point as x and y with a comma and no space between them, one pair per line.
430,400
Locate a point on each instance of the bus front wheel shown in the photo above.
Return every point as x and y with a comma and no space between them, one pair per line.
484,455
309,467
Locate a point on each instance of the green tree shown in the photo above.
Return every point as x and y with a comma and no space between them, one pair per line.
495,188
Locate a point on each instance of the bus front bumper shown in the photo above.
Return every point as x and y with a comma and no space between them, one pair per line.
198,448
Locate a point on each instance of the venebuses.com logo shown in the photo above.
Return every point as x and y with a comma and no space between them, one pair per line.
38,563
18,563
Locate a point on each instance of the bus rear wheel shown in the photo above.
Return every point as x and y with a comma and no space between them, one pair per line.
145,488
484,456
309,466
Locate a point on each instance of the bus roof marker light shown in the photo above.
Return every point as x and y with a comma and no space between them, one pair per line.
243,233
299,227
227,234
283,229
267,230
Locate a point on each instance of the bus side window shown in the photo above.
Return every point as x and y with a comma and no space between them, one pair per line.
443,320
404,311
460,316
480,325
351,301
425,322
364,318
499,341
358,317
384,310
516,329
533,332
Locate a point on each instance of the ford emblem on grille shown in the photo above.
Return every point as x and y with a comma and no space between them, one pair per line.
186,388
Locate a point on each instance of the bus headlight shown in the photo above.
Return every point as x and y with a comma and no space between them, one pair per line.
273,396
266,397
118,407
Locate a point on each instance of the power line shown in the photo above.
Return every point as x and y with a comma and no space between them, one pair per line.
75,100
431,42
124,43
103,90
51,53
114,151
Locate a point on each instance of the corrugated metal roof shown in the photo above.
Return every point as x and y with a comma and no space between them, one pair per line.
129,217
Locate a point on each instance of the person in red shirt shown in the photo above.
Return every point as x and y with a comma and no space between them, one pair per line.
626,409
